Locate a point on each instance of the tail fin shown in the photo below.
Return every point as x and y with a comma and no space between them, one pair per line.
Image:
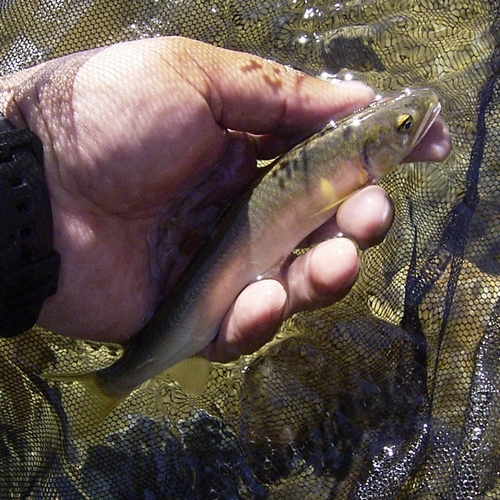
90,412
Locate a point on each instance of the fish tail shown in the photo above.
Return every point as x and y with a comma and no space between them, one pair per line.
92,411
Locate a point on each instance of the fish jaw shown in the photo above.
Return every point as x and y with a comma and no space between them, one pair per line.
430,117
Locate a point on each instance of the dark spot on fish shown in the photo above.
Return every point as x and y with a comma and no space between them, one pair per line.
304,160
281,183
347,133
364,159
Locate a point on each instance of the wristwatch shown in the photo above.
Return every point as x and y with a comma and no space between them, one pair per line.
29,266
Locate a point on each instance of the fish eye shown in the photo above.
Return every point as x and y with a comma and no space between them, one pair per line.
404,123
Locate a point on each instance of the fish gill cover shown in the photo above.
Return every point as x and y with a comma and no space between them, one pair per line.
391,393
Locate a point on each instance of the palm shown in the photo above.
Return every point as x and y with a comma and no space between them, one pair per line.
131,146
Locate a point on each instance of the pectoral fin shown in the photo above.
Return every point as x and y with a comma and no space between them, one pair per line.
330,196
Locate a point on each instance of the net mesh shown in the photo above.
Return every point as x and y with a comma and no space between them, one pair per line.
391,393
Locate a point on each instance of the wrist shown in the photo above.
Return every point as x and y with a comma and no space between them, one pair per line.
28,264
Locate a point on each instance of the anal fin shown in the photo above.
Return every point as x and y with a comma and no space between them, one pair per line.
191,374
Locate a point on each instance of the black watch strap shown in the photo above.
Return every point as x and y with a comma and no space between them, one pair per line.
29,266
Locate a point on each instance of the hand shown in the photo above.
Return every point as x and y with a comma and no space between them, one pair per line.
128,128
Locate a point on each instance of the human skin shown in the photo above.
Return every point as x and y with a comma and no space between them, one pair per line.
128,128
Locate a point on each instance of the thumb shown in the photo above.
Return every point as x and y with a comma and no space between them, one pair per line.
251,94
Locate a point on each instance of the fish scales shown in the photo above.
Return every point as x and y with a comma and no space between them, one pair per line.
298,193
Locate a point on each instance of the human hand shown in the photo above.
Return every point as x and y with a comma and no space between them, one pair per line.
129,128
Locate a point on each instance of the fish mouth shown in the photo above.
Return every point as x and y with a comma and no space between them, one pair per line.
428,119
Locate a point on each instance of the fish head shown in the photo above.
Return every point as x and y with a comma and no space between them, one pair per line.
392,126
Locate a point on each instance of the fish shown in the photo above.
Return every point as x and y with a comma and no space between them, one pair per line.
295,195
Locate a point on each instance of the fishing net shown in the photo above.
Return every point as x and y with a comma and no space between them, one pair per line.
391,393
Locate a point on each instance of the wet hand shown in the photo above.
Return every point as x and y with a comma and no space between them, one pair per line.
129,128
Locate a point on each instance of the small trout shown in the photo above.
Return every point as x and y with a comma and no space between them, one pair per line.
297,194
